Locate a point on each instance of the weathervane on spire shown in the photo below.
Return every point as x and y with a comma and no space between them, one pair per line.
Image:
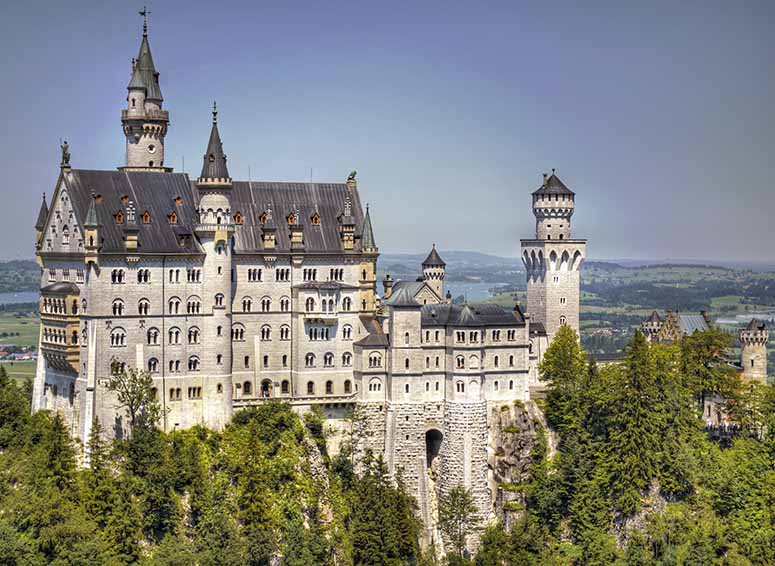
144,13
215,113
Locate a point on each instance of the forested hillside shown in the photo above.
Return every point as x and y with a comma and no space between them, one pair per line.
635,480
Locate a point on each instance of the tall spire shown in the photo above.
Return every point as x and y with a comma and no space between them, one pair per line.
144,74
91,214
42,215
367,237
214,166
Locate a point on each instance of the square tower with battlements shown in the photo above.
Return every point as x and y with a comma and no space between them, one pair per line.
553,259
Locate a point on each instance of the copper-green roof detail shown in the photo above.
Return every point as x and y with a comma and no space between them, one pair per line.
144,75
553,186
433,259
367,238
91,215
214,166
42,215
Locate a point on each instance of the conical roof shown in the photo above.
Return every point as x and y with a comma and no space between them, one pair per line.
553,186
654,317
91,215
144,75
214,166
433,259
367,237
42,215
755,325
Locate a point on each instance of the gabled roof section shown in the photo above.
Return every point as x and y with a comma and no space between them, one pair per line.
160,194
214,166
470,316
553,186
402,298
367,237
691,323
433,259
144,75
42,215
327,199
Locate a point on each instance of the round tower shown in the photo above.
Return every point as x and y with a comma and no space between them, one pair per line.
553,206
753,351
144,121
433,272
215,231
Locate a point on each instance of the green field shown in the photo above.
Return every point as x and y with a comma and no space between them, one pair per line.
20,370
25,324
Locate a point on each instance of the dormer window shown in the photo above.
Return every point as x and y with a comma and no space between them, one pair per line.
262,218
178,201
172,217
239,219
119,217
292,220
146,217
315,219
124,199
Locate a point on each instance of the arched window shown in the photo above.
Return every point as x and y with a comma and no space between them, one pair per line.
174,335
460,386
285,304
193,335
511,361
285,387
329,387
460,362
266,304
511,384
247,388
406,388
347,359
437,361
375,385
118,338
309,360
347,386
219,300
406,338
238,333
118,307
496,361
266,332
328,360
310,304
495,385
375,360
347,304
285,332
563,320
143,307
193,305
427,362
310,388
174,305
247,304
153,365
406,363
193,363
347,332
152,336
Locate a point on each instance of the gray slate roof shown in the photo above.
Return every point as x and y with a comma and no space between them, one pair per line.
61,288
691,323
470,315
151,191
402,298
251,198
553,186
376,337
755,325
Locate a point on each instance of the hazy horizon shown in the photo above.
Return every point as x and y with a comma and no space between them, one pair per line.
658,115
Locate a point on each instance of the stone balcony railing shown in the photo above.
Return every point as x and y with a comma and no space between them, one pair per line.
145,115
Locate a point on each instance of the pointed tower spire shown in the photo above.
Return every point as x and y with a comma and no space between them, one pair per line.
42,215
214,168
91,214
367,236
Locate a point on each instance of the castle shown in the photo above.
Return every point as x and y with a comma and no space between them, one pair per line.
230,293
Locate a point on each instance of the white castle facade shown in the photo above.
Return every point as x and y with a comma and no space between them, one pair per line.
231,293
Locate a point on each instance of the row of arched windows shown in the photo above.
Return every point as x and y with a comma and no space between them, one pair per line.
310,360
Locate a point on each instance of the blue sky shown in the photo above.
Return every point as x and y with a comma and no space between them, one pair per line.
658,114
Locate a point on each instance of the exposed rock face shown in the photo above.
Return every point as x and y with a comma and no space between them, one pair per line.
511,440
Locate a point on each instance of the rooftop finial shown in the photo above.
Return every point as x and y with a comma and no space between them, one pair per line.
144,13
552,170
215,113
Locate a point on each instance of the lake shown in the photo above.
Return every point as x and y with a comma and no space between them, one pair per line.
15,298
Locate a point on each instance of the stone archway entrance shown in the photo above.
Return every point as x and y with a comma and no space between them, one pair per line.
266,388
430,490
